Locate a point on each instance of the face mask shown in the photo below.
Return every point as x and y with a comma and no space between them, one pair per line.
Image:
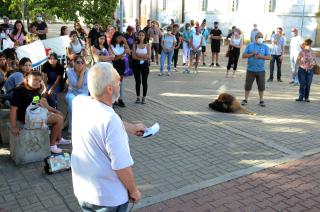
3,35
115,95
260,40
293,34
39,18
188,28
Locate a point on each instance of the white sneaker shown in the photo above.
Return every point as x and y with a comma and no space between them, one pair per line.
64,141
55,149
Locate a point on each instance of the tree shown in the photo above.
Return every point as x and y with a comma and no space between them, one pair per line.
91,10
98,10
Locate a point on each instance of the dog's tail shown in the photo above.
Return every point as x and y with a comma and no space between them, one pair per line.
245,111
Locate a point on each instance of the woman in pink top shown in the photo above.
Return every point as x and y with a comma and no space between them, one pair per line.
306,61
18,35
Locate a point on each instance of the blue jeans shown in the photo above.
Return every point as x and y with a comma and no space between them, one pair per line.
86,207
277,59
305,80
52,99
163,57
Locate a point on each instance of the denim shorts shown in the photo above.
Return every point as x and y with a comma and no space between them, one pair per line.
86,207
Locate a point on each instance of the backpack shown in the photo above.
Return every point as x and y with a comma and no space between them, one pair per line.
36,117
57,163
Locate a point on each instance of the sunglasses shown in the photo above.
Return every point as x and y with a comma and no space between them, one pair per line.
79,62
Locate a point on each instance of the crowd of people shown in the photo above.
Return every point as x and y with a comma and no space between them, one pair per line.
111,52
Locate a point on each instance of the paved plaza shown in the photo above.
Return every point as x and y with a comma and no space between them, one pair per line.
201,160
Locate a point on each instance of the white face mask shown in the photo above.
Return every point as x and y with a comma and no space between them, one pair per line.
260,40
39,18
293,34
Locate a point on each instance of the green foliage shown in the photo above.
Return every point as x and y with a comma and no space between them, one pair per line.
98,10
5,10
67,10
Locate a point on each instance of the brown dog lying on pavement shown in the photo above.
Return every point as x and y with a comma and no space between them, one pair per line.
228,104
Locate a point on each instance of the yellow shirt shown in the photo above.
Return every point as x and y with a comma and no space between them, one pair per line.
32,37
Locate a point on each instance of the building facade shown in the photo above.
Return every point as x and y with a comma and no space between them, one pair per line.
267,14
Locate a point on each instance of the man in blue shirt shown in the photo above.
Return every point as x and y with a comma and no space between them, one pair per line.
257,53
205,34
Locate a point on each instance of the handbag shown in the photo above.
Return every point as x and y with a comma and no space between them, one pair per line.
228,51
57,163
316,69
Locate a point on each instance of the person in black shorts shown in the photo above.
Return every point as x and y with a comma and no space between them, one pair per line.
215,36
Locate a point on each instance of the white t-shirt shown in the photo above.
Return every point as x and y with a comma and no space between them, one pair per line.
100,146
5,44
295,46
118,50
196,40
76,48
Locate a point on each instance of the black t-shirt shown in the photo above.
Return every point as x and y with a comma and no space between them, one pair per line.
93,36
178,36
52,73
215,32
41,26
21,99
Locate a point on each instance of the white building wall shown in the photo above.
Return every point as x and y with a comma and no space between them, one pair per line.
285,14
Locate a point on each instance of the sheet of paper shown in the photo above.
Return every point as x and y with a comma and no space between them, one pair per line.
151,130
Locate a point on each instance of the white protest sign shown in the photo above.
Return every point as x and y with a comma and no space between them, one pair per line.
35,51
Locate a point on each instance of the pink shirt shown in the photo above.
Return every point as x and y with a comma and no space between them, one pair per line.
20,38
307,59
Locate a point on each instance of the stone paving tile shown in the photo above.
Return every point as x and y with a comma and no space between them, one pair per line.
189,150
283,120
200,151
283,196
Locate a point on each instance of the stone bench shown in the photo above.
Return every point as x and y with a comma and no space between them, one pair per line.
4,123
29,146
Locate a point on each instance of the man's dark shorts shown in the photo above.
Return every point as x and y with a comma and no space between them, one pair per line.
215,47
203,49
155,46
260,78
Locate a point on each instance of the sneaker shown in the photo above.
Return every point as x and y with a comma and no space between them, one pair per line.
121,103
307,100
157,63
299,100
143,101
203,64
64,141
217,64
186,71
280,80
291,82
270,80
262,104
116,103
295,84
244,102
160,74
138,100
54,149
211,65
168,74
175,69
